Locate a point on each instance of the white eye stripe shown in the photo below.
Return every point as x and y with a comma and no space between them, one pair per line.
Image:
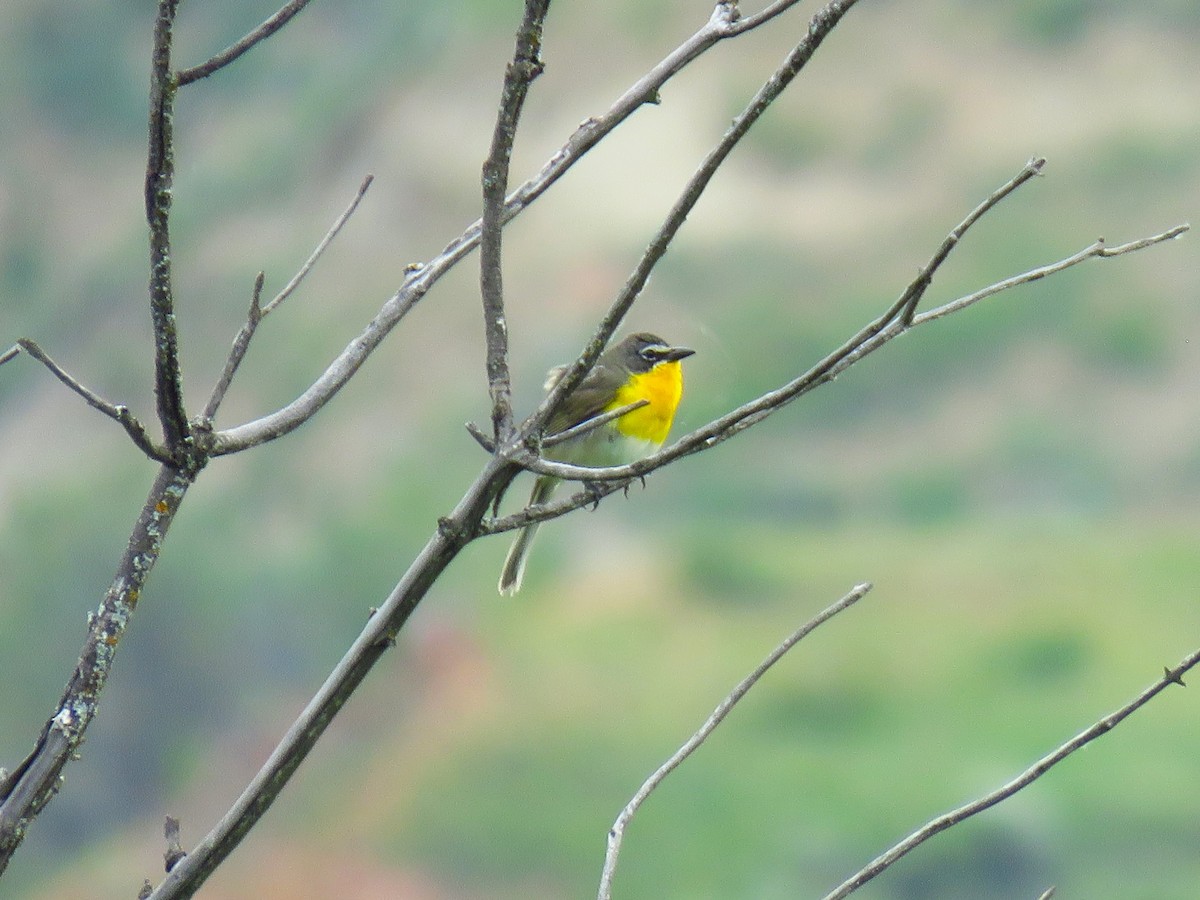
653,353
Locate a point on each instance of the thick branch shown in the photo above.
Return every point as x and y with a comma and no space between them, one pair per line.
452,534
526,65
160,173
617,833
229,54
1026,778
29,787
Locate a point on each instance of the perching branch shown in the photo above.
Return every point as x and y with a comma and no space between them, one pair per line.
1026,778
617,833
231,53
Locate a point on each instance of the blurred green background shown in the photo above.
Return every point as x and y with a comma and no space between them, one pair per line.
1021,481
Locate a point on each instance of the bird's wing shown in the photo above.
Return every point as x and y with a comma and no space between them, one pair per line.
586,401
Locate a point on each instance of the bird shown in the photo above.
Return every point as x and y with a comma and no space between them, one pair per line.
642,367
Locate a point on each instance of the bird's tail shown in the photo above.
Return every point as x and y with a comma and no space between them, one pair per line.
514,564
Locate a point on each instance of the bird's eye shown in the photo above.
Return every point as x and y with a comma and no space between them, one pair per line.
651,353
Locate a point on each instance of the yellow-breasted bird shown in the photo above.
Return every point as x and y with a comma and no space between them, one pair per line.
641,367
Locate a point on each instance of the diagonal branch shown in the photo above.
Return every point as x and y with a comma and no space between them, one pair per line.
617,833
526,65
322,246
241,343
906,306
26,790
117,412
231,53
1026,778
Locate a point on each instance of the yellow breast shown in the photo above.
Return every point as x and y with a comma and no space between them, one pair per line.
662,386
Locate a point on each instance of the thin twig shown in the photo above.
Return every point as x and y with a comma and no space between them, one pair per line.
259,311
591,424
1034,772
117,412
486,442
229,54
617,833
241,343
745,23
526,65
333,232
10,353
906,306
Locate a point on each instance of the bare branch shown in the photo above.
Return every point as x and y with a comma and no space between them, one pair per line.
590,424
333,232
617,833
906,306
26,790
258,312
229,54
10,353
746,23
116,412
241,343
1034,772
160,174
420,278
526,65
1098,250
822,23
453,533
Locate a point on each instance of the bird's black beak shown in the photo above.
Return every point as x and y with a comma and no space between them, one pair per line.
672,354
